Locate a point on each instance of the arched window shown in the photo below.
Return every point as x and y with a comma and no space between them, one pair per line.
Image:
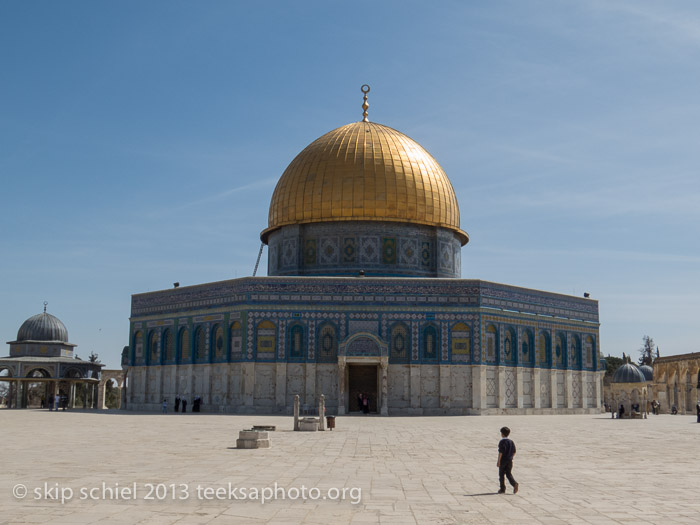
399,341
200,344
296,342
236,340
576,357
590,353
154,355
217,342
510,346
430,343
168,345
461,342
560,350
527,353
266,335
545,349
138,348
327,343
184,342
491,343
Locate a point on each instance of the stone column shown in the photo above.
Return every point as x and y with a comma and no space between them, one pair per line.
310,393
445,387
568,385
536,398
519,386
415,390
384,363
341,386
101,395
553,388
501,371
479,387
281,387
10,392
248,370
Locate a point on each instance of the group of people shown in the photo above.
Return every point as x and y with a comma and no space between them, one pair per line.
363,401
56,402
181,404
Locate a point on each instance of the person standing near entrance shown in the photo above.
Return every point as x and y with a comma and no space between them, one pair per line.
506,452
165,406
184,405
359,401
365,403
177,402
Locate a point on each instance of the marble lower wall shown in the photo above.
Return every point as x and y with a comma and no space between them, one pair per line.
269,388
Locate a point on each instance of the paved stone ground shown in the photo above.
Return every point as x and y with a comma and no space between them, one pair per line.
571,469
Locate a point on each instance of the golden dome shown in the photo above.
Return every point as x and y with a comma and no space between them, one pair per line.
364,172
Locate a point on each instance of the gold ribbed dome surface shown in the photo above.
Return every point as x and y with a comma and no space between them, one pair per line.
364,172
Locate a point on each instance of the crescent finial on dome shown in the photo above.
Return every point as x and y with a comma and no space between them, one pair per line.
365,104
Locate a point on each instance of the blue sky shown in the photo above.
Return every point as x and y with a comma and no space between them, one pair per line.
140,143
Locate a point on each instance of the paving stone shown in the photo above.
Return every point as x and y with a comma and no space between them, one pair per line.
571,469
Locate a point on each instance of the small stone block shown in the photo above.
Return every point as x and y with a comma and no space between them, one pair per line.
252,443
253,434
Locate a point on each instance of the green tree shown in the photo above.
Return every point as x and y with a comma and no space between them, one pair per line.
646,351
94,358
611,365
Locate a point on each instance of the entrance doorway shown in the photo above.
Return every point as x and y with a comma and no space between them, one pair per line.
362,379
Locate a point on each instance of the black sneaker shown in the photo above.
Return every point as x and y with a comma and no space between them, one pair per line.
515,488
502,491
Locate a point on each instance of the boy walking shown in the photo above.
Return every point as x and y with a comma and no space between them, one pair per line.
506,451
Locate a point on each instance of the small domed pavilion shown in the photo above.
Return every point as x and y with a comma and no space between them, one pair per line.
629,388
41,366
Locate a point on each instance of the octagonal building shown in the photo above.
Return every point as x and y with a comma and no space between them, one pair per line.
364,296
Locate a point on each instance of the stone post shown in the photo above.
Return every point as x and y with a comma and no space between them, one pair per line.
296,412
415,387
519,387
322,413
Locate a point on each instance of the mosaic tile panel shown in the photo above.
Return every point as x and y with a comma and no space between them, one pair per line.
388,250
363,346
349,249
329,251
369,250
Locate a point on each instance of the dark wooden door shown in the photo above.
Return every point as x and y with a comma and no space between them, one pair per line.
362,380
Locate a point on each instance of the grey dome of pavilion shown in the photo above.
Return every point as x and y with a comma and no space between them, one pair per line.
629,373
43,327
647,371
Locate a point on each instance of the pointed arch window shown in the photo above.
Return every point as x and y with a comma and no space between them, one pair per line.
169,345
327,343
200,344
184,342
399,341
153,355
430,343
217,342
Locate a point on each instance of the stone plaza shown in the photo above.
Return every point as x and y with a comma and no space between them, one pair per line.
571,469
